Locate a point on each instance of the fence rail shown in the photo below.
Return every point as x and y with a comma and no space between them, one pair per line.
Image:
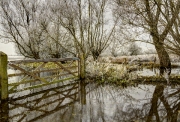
31,74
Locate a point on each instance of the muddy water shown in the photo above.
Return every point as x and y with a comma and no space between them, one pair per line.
80,102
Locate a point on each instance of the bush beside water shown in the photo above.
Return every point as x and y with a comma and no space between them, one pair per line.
109,73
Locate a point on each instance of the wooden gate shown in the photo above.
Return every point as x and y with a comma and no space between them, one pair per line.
29,74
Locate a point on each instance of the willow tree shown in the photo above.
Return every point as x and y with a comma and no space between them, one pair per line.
59,42
21,24
156,17
100,27
172,42
86,22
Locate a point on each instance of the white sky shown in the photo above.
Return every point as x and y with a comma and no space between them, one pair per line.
145,46
10,50
7,48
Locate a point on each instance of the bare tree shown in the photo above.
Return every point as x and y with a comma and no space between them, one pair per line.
85,21
114,48
99,37
134,49
172,42
59,40
148,15
21,24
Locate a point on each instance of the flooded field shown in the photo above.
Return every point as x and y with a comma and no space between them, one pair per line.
80,102
77,101
155,71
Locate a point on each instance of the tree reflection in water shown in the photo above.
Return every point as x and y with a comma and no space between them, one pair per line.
93,103
145,103
164,105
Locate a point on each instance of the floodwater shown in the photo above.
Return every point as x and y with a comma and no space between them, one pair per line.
77,101
80,102
155,72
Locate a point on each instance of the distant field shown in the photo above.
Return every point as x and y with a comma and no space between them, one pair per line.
12,57
143,58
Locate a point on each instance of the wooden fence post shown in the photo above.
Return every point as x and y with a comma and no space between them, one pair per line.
78,67
3,76
4,108
82,66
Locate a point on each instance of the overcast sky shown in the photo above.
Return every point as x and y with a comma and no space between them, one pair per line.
7,48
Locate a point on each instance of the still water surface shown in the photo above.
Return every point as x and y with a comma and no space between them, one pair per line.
80,102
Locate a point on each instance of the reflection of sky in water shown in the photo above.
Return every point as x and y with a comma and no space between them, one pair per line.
104,103
153,72
121,104
109,103
132,97
115,104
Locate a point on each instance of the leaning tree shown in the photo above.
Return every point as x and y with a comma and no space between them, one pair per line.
155,17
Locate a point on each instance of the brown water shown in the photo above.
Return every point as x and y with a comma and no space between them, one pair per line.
80,102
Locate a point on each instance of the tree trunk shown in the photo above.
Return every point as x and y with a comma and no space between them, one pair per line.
165,63
95,55
82,66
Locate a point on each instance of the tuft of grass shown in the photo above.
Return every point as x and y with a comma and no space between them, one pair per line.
108,73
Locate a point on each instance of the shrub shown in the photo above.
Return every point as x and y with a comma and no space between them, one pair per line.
108,72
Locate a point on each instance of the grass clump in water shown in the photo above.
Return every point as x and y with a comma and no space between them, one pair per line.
109,73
